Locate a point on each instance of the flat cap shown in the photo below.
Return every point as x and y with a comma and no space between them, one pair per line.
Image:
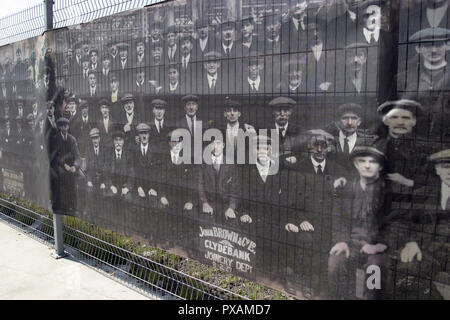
142,127
228,23
430,34
261,139
159,103
94,133
366,151
127,97
282,102
71,98
62,120
230,103
349,108
84,105
410,105
30,117
118,133
189,97
201,22
440,157
212,55
320,134
103,102
122,45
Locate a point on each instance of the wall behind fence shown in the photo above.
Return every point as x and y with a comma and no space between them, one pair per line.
296,143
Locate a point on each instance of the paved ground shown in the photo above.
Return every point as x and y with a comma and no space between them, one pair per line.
27,271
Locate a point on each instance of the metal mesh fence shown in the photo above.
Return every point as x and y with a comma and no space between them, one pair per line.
31,22
148,270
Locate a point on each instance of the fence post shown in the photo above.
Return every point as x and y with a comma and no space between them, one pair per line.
48,14
57,219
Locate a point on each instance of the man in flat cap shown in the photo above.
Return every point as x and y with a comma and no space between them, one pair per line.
422,230
93,53
248,40
255,81
360,74
105,72
236,131
347,132
287,132
95,171
119,169
214,80
65,165
218,186
141,59
359,236
129,117
147,166
106,124
81,126
20,110
172,49
159,125
123,56
293,79
205,40
431,45
404,153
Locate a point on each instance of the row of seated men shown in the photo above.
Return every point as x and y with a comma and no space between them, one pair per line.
295,202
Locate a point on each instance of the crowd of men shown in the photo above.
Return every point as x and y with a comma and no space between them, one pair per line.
361,186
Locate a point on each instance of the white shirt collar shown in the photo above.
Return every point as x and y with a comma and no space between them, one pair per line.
317,51
211,78
351,140
230,46
256,82
264,170
367,33
285,127
445,194
316,164
217,159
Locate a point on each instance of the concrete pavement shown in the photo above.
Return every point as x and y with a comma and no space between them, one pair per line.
27,271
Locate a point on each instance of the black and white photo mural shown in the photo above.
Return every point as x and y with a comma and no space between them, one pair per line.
301,144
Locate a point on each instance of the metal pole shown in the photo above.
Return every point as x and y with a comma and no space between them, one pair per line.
49,14
57,220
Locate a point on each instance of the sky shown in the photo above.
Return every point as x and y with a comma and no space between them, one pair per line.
9,7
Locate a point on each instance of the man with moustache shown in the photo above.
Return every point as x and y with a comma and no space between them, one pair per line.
287,132
357,71
359,235
129,118
294,69
405,155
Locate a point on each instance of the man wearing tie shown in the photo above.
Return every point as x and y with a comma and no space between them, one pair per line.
159,128
218,186
212,82
146,165
254,82
347,134
171,39
106,124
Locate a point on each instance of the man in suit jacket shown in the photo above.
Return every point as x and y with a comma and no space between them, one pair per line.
160,126
106,124
129,117
80,128
172,49
346,132
360,238
214,81
120,169
254,81
287,132
205,40
318,162
218,186
146,165
65,164
421,232
234,130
